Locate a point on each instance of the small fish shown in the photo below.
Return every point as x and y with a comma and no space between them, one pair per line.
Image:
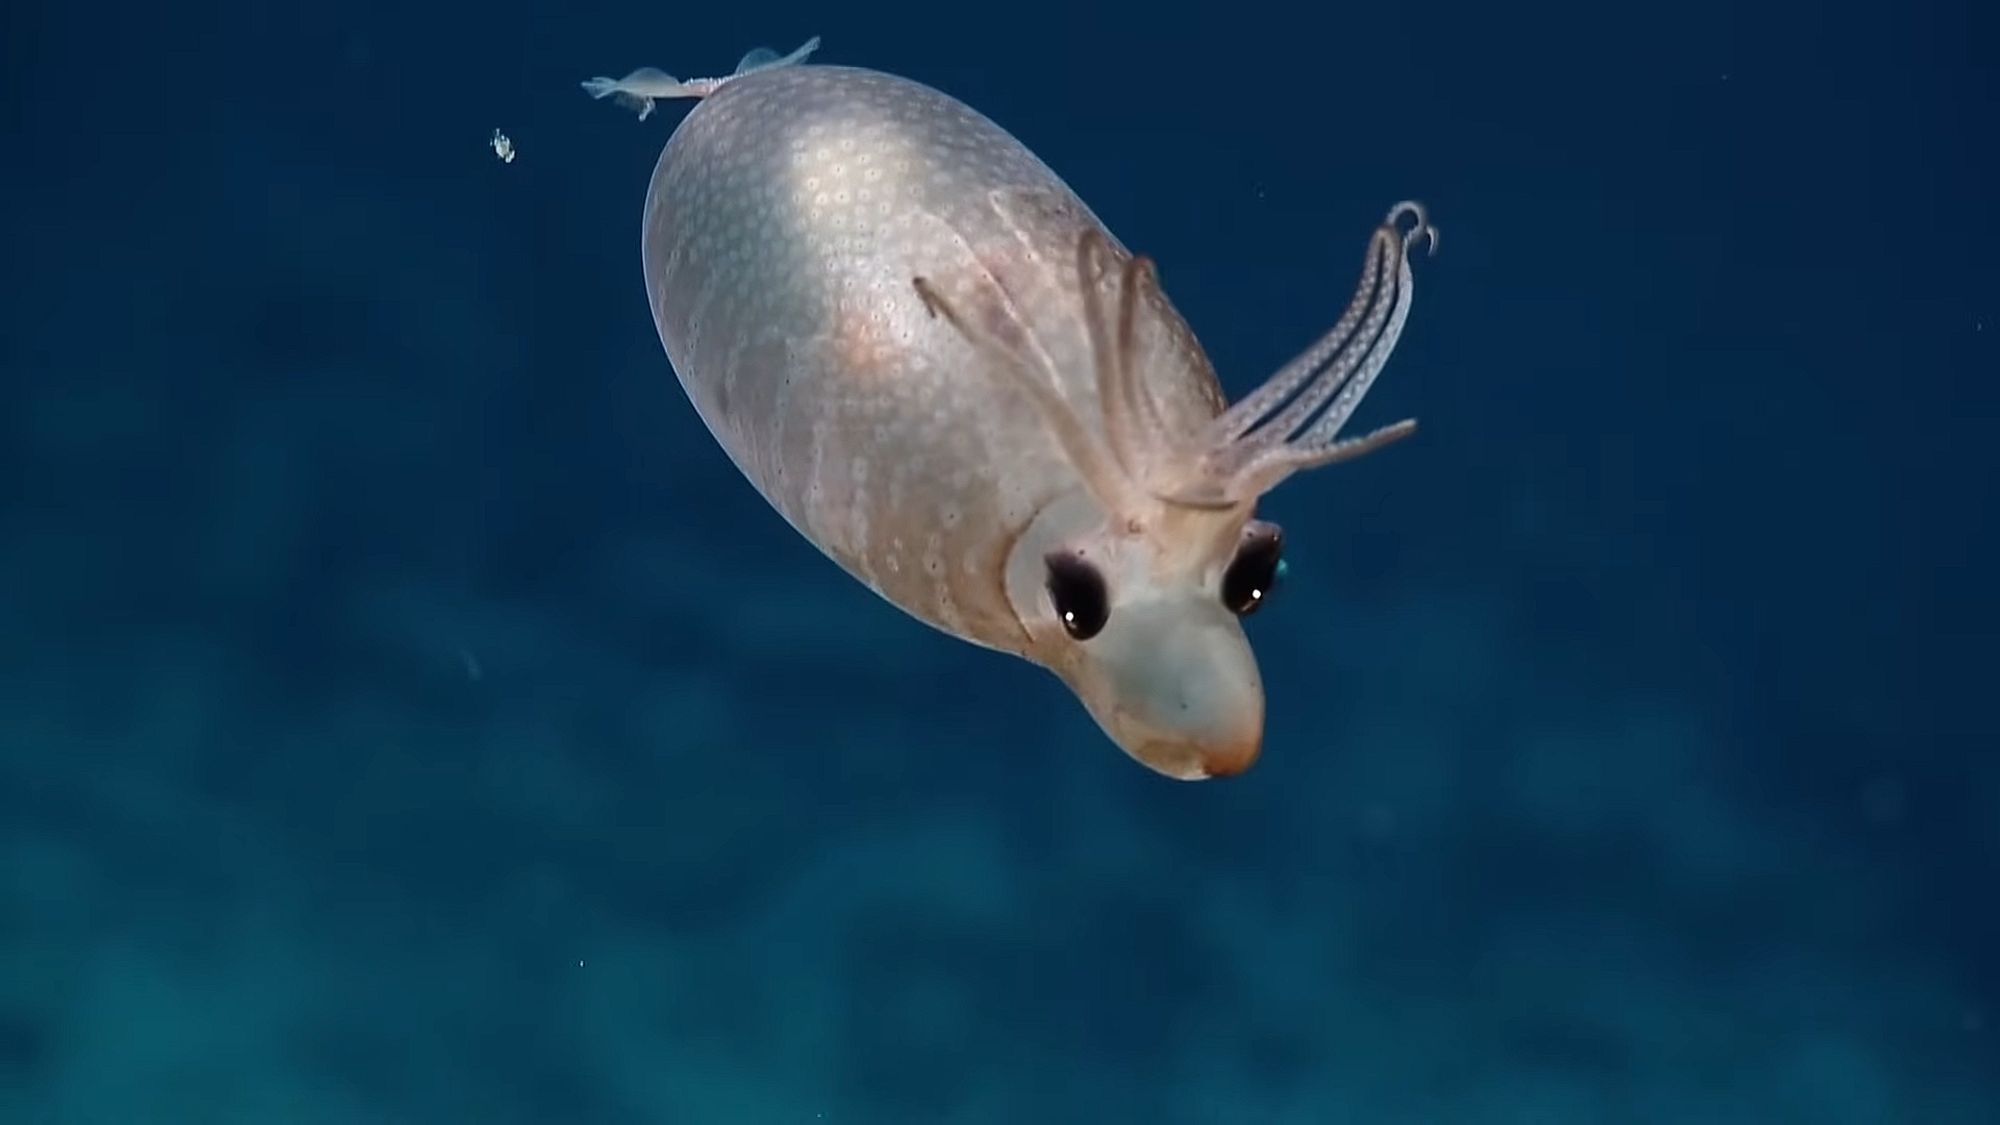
639,89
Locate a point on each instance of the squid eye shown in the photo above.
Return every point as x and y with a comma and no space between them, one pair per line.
1076,589
1255,570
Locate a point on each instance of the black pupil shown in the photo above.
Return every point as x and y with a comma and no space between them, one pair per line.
1253,571
1077,591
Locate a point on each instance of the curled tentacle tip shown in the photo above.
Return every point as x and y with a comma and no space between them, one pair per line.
1420,226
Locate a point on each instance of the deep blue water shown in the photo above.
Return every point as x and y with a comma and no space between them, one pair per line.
408,715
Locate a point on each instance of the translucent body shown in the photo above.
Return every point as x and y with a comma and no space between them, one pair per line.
933,360
786,222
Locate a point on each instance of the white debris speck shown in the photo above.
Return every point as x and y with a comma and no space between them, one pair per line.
503,147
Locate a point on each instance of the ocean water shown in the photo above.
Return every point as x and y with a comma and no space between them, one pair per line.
408,715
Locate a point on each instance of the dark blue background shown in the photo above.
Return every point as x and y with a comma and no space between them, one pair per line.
407,714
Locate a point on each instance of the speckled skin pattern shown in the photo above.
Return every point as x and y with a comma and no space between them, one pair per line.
786,223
